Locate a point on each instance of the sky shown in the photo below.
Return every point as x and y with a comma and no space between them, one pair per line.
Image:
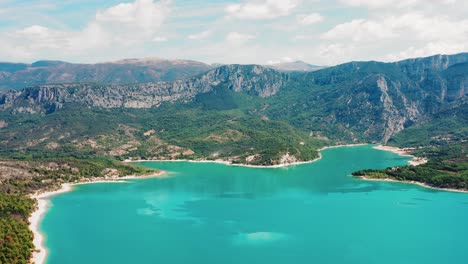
320,32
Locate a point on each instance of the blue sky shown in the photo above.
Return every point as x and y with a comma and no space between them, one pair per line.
231,31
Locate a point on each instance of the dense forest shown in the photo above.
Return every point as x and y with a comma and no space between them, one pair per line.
443,140
447,168
15,237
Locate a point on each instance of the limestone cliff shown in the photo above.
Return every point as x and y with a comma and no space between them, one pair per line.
253,80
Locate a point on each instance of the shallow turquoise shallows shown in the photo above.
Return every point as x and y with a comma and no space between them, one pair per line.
211,213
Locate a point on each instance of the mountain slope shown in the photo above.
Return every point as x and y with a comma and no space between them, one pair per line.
371,101
16,75
250,79
440,139
353,102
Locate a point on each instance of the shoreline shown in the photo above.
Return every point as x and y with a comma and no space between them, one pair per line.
415,161
229,163
364,178
39,254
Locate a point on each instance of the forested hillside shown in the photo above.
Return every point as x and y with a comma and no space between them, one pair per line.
443,140
235,111
248,114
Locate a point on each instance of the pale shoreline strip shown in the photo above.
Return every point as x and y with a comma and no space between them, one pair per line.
415,161
228,163
40,253
411,182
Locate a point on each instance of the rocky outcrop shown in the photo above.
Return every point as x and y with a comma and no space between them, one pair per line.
382,99
253,80
359,101
420,66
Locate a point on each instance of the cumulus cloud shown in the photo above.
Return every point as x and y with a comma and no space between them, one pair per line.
143,15
431,48
401,36
238,38
310,19
159,39
201,35
285,59
261,9
255,31
377,4
116,27
359,30
411,25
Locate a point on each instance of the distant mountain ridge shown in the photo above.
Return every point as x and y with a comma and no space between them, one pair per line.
251,79
14,76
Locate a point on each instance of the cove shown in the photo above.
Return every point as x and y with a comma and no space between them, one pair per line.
213,213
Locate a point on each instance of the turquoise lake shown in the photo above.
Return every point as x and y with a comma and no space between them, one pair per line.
212,213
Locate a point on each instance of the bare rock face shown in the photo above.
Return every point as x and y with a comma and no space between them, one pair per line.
287,159
360,100
385,98
3,124
253,80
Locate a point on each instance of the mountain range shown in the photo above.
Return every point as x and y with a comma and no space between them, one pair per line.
242,113
19,75
15,76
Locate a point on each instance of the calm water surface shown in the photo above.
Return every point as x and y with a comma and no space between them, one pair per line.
211,213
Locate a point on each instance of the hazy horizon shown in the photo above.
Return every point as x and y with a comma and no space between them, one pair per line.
220,63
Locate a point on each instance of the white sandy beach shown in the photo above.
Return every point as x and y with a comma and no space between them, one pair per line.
415,161
228,163
40,253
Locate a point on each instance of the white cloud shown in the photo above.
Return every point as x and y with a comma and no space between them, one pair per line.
336,52
411,25
159,39
112,30
39,37
285,59
301,38
238,38
380,4
246,31
35,30
201,35
310,19
431,48
395,37
261,9
358,30
145,15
